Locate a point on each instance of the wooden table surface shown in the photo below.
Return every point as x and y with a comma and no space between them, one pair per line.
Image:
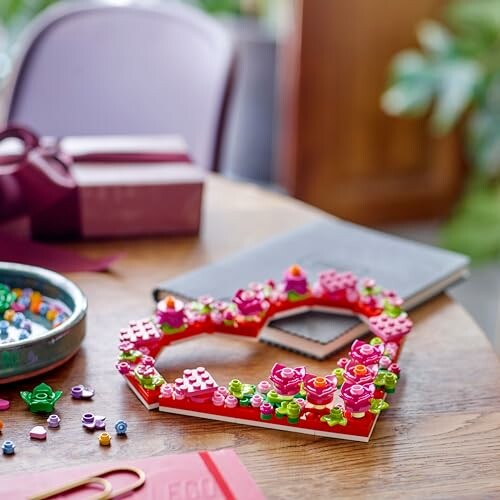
441,436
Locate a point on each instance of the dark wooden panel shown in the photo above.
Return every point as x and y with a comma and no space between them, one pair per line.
338,150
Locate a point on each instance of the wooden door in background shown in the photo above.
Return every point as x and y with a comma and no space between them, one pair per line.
337,149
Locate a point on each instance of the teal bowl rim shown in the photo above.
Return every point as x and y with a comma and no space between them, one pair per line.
58,281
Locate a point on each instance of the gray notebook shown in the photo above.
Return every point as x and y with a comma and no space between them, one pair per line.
415,271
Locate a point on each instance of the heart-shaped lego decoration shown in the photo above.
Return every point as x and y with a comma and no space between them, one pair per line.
343,404
38,432
4,404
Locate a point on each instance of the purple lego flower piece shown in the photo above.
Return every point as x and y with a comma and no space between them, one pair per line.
320,390
287,380
250,303
366,354
357,397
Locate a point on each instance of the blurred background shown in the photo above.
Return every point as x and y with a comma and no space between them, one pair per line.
388,117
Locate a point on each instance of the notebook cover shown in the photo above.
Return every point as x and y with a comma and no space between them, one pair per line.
404,266
218,475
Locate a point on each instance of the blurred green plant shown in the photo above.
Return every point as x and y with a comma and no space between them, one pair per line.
454,79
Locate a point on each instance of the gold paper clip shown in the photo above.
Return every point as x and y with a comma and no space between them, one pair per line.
106,494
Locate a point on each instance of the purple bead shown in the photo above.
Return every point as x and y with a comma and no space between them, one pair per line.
88,418
53,421
76,391
82,392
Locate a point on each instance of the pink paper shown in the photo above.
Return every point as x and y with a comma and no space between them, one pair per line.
217,475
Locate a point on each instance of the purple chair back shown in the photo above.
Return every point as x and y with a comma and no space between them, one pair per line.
94,69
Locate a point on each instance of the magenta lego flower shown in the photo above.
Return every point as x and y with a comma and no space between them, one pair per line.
170,312
356,373
366,354
250,303
320,390
287,380
126,346
145,370
295,280
123,367
357,398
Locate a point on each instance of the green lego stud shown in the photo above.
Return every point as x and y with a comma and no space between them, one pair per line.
376,341
274,398
339,375
378,405
392,310
241,391
335,417
391,379
42,399
290,409
379,381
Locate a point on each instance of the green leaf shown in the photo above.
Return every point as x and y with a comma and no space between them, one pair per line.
457,80
407,98
434,38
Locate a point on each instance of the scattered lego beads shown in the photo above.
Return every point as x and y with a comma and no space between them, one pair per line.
104,439
20,309
121,427
8,447
4,404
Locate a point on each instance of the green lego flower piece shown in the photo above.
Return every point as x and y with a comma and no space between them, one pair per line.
274,398
376,341
391,380
240,390
392,310
378,405
171,331
236,388
42,399
335,417
339,375
295,297
132,356
380,379
290,409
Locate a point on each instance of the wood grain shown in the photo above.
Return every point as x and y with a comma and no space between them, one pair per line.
441,436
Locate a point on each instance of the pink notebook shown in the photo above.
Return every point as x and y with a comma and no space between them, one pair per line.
215,475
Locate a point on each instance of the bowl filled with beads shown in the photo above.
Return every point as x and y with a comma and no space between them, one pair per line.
42,320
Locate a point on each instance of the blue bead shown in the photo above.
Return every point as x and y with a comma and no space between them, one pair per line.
18,319
27,292
44,308
26,325
121,427
25,301
8,447
24,334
